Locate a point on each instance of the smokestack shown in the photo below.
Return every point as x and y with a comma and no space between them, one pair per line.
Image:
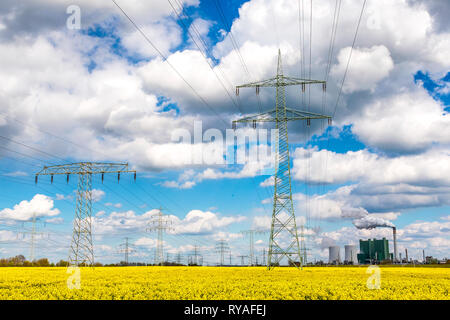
406,252
423,253
394,232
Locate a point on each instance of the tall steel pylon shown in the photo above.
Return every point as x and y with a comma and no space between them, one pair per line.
196,255
126,249
221,247
284,240
34,233
242,259
251,233
81,249
160,223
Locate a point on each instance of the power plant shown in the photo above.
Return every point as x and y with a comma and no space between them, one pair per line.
370,251
394,237
365,223
374,250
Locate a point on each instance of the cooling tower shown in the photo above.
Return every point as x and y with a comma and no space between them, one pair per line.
351,254
335,256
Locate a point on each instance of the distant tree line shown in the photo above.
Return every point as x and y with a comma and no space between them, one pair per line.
21,261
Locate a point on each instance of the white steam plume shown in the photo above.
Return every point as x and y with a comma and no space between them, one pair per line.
370,222
363,220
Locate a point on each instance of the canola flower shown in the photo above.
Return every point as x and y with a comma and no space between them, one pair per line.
212,283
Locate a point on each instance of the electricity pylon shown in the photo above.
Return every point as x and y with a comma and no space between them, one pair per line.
283,240
221,247
160,223
196,254
81,249
242,259
251,234
125,248
34,233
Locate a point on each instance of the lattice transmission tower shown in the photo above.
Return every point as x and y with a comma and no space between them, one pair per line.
196,256
126,249
221,248
81,249
242,259
251,235
284,239
160,223
34,234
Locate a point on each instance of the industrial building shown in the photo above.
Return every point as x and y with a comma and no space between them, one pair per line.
374,251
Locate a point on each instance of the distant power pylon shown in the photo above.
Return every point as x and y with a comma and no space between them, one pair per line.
126,249
160,223
222,247
242,259
251,234
196,256
283,226
81,249
34,234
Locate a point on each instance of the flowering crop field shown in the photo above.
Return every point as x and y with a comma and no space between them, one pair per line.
225,283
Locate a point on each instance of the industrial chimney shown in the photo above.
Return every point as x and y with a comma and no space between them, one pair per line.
394,231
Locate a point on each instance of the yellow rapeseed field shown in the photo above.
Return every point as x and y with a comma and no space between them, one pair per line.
225,283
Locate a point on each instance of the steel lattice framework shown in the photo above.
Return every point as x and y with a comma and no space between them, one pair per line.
284,240
160,223
81,249
221,248
251,233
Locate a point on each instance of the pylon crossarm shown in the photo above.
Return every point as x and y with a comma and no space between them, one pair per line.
303,115
280,81
291,115
85,167
291,81
262,83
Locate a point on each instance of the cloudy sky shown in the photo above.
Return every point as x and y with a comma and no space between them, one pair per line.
107,91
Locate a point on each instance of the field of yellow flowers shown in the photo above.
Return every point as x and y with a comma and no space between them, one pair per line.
224,283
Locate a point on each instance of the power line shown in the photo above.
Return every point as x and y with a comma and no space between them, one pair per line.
168,62
32,148
204,54
349,57
235,45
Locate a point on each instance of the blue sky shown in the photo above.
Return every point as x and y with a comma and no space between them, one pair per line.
106,95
